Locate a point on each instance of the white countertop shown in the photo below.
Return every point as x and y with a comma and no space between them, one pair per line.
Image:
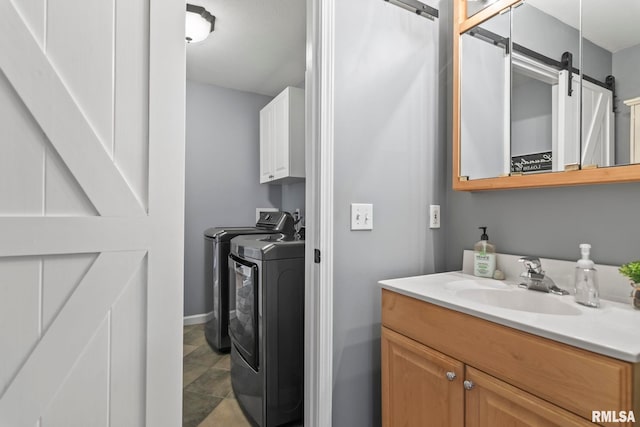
611,330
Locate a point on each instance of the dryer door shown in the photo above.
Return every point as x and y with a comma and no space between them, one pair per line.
243,308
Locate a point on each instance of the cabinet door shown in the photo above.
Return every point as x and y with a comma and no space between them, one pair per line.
415,388
491,402
266,143
280,145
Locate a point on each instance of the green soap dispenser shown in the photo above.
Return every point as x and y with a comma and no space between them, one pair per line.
484,256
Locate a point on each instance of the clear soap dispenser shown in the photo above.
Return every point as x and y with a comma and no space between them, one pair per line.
586,280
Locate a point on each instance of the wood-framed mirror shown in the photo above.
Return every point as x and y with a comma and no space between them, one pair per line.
525,114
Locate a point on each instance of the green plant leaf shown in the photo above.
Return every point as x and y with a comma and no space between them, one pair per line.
631,270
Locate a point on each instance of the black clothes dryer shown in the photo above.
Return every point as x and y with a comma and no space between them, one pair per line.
266,327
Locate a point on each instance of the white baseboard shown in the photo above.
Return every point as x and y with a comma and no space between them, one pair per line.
198,319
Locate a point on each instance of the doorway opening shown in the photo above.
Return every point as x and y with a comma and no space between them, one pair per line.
255,52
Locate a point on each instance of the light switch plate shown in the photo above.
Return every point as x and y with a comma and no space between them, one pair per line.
361,216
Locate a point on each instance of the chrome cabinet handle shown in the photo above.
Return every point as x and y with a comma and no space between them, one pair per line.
468,385
451,376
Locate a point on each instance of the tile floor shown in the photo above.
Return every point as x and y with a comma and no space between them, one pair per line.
207,397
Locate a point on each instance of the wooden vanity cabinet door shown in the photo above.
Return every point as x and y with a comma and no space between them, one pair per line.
572,378
491,402
415,389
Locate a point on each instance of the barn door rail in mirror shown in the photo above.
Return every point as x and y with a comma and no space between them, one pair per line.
416,7
547,93
564,63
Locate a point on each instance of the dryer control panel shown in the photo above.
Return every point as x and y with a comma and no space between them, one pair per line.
277,221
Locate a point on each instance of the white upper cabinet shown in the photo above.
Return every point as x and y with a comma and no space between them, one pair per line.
282,138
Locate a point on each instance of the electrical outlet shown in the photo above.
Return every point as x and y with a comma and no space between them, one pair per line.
434,216
361,216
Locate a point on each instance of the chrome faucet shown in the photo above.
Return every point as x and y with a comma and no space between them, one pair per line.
536,280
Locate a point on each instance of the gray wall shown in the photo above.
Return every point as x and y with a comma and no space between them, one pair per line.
293,198
386,153
548,222
222,175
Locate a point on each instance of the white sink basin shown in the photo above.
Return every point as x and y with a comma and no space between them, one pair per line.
521,300
611,330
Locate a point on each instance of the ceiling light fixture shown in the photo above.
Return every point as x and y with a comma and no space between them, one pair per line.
199,23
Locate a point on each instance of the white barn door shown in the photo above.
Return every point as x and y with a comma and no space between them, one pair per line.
597,126
565,122
91,212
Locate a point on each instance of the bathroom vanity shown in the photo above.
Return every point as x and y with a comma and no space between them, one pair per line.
453,354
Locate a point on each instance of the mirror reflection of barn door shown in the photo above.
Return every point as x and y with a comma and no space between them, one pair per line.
597,126
91,212
597,145
566,122
634,131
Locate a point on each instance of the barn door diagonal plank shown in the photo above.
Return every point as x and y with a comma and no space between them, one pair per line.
40,87
56,353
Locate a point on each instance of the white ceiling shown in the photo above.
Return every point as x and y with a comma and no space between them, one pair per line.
613,25
257,45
